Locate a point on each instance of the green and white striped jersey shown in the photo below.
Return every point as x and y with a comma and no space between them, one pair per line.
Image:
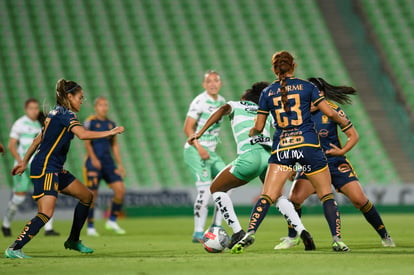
242,119
200,109
24,130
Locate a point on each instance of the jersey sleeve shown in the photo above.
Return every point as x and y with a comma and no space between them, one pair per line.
231,104
263,104
315,96
341,113
195,109
70,120
15,131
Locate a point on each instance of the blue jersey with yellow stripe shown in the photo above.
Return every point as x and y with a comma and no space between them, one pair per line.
102,146
294,128
328,130
56,138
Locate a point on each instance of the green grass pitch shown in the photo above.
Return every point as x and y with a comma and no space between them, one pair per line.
162,245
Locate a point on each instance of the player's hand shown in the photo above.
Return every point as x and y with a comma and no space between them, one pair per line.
96,163
203,153
192,138
117,130
334,151
19,169
2,149
121,171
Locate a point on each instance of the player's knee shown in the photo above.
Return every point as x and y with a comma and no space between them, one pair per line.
296,199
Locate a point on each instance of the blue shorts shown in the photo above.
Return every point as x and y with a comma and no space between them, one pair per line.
51,183
342,173
93,176
312,159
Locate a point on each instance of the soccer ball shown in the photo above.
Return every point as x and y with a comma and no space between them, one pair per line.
215,239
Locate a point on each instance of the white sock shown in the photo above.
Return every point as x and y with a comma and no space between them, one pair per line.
288,211
15,201
217,217
201,207
49,225
225,205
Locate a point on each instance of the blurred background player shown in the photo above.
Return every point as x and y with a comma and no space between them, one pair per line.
47,173
289,99
100,165
22,133
251,162
201,157
343,176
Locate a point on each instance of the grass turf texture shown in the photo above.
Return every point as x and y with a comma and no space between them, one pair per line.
163,246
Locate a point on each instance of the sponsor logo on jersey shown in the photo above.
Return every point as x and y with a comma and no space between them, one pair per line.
323,133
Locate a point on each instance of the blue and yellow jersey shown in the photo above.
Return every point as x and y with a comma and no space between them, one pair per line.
295,128
55,143
328,130
102,146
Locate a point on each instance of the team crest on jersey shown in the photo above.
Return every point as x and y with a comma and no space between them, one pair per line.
110,126
98,125
344,168
325,119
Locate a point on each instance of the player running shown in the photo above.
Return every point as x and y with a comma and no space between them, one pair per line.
47,173
289,100
22,133
100,165
201,158
343,176
251,162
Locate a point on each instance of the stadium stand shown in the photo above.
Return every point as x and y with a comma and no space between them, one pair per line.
148,58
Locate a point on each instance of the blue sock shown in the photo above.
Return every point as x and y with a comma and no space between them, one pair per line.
372,216
79,218
259,212
30,230
115,209
332,215
91,216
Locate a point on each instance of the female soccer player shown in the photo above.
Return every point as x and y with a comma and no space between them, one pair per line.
201,158
343,176
47,173
251,162
100,165
289,99
22,133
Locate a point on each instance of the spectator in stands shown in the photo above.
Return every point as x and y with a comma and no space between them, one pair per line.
22,133
201,158
100,165
343,176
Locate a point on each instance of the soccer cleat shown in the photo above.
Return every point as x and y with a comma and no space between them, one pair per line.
247,241
340,246
387,242
78,246
6,231
113,226
197,237
287,242
51,233
236,237
92,232
307,240
15,254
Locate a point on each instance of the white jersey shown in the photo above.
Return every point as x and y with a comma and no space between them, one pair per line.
24,130
242,118
200,109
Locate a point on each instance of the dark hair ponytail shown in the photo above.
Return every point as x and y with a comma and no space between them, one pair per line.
340,94
253,94
282,63
63,88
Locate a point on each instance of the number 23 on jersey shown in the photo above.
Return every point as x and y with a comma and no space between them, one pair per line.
283,119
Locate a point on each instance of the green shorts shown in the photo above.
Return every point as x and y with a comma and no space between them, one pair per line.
22,183
204,171
251,164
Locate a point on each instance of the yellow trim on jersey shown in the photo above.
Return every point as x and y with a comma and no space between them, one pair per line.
318,100
317,171
48,155
347,127
38,196
73,124
262,112
296,146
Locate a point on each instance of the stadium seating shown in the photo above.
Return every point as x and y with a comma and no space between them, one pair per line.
148,58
